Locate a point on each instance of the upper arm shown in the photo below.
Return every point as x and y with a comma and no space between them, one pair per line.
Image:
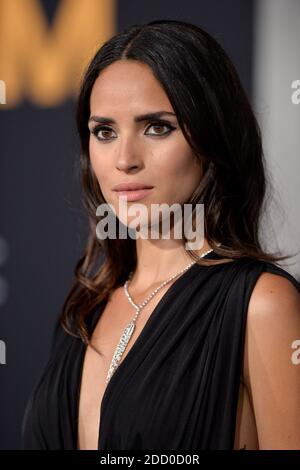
271,373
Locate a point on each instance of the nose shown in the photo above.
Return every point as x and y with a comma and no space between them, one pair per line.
128,156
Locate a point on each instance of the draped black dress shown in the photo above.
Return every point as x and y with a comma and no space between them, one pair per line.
178,386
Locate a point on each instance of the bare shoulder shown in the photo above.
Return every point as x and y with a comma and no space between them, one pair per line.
272,294
270,375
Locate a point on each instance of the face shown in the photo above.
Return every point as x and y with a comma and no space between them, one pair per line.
124,149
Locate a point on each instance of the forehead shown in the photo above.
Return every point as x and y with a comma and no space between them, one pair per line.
130,85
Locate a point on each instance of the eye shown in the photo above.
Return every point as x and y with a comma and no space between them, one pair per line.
98,129
161,124
156,124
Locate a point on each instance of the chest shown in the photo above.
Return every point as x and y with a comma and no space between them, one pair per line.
106,335
116,315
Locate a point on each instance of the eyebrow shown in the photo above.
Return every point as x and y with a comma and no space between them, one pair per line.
142,117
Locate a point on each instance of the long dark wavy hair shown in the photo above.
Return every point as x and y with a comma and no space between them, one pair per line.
217,121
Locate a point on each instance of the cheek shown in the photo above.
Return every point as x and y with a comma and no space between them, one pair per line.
182,165
92,154
182,172
100,168
98,162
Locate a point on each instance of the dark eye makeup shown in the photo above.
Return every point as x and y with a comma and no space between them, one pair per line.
160,123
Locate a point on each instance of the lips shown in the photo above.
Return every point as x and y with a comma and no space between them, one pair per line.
131,186
134,195
132,191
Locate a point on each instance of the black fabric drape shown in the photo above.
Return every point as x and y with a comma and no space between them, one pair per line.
178,386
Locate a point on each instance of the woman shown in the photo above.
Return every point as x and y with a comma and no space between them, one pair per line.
207,363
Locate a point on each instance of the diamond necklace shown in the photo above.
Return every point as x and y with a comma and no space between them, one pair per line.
127,333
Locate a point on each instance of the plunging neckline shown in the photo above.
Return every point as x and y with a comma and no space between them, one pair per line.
94,320
189,350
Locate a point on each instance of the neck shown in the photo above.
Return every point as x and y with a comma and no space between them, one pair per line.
159,259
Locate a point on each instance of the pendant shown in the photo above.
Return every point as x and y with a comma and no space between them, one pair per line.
124,339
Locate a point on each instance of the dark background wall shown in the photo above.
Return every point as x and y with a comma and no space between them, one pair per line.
43,225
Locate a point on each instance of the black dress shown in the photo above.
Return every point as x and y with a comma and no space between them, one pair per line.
178,386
